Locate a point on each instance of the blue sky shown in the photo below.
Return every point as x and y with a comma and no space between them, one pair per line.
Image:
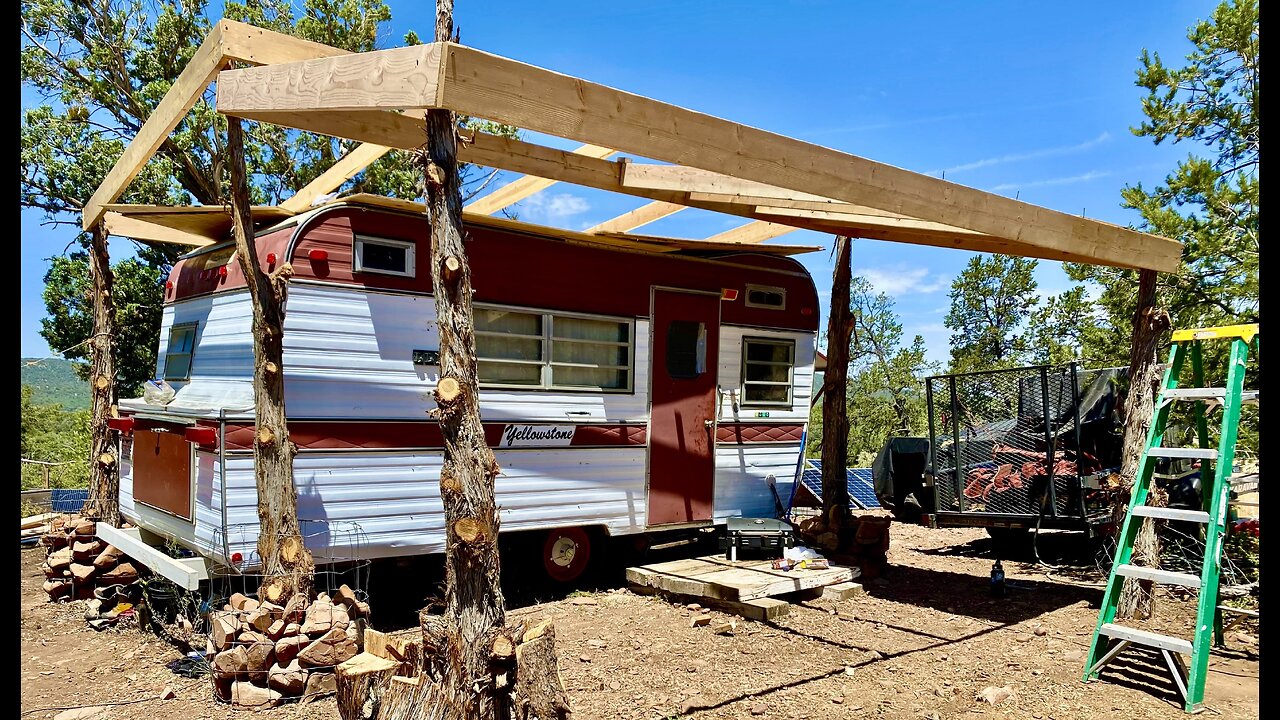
1026,99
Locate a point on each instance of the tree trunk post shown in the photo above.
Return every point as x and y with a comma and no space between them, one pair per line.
1149,324
835,410
287,565
103,503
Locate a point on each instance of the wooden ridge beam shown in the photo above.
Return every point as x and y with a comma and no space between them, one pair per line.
752,232
479,84
228,40
642,215
347,167
521,188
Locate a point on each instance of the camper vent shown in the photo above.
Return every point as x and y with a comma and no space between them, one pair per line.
762,296
381,255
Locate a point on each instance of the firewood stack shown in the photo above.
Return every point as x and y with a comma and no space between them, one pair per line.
78,563
261,653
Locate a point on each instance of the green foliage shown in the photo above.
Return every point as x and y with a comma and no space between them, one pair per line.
991,302
1209,202
101,67
54,381
52,434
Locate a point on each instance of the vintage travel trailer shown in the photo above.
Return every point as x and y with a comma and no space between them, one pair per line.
627,386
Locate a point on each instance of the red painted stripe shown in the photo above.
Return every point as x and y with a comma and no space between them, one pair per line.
756,433
395,434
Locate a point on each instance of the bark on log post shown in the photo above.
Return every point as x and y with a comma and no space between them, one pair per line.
273,453
1149,325
835,408
104,477
361,682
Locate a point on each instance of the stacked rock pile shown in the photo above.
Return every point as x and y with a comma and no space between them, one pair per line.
261,653
78,564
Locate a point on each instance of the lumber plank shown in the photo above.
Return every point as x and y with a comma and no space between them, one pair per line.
753,232
643,215
141,230
521,188
347,167
181,97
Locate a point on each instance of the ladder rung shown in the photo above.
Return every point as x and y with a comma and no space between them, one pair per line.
1164,513
1165,577
1193,453
1249,396
1142,637
1215,393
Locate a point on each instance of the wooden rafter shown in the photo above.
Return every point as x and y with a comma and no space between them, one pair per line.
483,85
350,165
641,216
752,232
143,231
521,188
228,40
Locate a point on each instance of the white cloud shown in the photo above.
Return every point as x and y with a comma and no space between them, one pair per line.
1085,177
1019,157
900,280
546,207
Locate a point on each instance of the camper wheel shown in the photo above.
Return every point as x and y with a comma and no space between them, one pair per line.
566,553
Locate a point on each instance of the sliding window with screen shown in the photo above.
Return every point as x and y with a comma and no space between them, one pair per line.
523,349
767,367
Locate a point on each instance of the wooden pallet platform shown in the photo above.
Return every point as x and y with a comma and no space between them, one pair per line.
714,577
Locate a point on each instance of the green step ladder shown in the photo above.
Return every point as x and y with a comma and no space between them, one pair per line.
1110,638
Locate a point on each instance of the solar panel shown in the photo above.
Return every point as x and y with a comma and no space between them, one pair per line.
858,480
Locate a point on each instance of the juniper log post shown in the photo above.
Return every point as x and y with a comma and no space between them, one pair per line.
103,503
1149,325
287,565
473,665
835,409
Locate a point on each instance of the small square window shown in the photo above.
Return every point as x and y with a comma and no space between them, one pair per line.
177,355
686,349
381,255
761,296
767,367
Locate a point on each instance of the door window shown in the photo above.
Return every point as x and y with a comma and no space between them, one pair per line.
686,349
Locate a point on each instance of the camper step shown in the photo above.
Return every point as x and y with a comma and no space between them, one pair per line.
1192,453
186,573
1164,513
1150,639
1165,577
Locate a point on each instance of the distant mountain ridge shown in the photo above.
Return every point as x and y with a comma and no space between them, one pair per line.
54,382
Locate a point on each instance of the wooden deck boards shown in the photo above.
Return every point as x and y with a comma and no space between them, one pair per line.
717,578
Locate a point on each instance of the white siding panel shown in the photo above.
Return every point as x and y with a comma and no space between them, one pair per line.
394,497
349,354
742,489
222,365
730,374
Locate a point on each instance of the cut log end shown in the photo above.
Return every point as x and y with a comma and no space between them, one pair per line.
102,382
451,267
291,550
503,647
265,436
270,368
468,530
107,459
447,390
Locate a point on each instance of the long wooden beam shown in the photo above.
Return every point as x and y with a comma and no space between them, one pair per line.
752,232
347,167
228,40
143,231
479,84
521,188
642,215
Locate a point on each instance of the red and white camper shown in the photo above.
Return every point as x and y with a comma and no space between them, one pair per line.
626,386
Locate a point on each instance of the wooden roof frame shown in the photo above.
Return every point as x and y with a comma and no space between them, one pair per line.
378,97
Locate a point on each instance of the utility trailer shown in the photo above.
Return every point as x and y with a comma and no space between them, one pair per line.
626,387
1009,450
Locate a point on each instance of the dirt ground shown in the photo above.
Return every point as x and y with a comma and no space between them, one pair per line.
921,644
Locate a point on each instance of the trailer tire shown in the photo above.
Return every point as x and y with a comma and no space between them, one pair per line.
566,554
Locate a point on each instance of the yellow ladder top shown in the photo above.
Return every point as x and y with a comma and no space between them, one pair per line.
1244,332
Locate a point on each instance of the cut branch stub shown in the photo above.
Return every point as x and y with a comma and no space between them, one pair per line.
291,550
270,368
102,382
503,647
107,459
447,390
468,530
451,267
435,174
265,436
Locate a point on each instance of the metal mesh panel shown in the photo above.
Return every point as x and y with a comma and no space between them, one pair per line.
1021,439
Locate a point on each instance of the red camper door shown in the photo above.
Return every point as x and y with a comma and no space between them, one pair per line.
682,386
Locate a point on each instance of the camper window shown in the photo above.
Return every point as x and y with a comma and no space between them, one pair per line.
766,371
380,255
177,355
546,350
686,349
761,296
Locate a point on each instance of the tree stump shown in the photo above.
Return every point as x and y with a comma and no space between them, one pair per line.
361,683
